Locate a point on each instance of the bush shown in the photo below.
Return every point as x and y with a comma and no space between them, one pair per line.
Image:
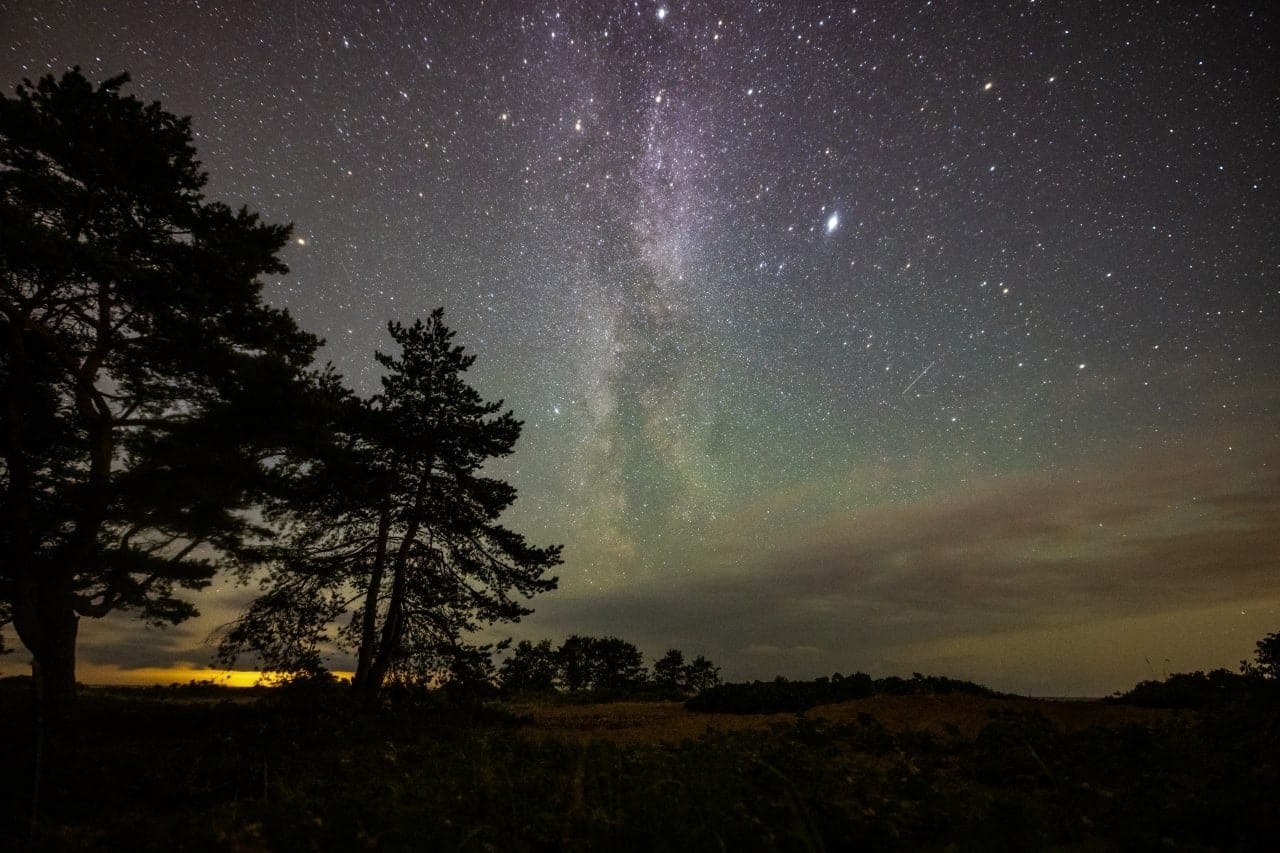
780,695
1190,690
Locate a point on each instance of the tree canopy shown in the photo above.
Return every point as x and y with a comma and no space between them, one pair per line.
398,553
1266,657
141,374
530,667
606,665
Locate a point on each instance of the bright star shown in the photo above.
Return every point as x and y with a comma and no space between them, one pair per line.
662,13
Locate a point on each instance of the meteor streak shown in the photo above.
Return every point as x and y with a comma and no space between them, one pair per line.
913,382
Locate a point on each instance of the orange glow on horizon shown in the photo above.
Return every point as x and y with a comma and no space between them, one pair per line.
181,674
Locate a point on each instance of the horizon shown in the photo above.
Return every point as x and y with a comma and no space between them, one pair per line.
844,340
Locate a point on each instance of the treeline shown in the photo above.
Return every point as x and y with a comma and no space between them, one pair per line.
784,696
1193,689
602,665
1259,677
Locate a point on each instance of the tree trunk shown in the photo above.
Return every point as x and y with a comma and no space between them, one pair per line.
44,601
45,619
392,628
369,624
54,672
389,644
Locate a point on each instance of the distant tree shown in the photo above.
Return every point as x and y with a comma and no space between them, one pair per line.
141,374
392,544
530,667
701,675
470,672
672,673
1191,689
618,665
575,663
1266,658
599,663
669,671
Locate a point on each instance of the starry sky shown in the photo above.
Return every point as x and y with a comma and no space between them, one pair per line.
931,336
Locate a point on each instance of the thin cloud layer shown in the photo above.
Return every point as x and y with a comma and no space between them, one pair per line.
1009,554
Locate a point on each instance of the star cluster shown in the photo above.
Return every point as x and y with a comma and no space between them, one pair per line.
873,335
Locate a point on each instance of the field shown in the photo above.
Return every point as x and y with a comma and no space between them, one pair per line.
668,722
206,769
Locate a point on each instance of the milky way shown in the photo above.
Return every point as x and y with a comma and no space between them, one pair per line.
880,336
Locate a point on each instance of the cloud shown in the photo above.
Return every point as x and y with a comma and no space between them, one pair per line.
1143,537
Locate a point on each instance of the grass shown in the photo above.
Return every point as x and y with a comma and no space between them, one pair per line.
161,770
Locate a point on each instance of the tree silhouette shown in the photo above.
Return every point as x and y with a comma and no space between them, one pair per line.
701,675
599,663
140,371
391,544
530,667
1266,658
575,663
618,665
669,670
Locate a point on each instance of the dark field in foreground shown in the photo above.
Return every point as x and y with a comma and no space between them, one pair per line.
289,770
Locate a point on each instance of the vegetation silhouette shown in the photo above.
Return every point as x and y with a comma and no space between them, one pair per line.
389,543
142,378
531,667
600,669
151,400
306,767
1266,658
784,696
672,673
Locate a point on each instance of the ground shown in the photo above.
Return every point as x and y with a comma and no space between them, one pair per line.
305,770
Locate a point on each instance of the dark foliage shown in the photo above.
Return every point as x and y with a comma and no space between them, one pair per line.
142,378
783,696
1192,690
672,674
391,544
1266,658
601,669
930,685
780,695
531,668
599,663
669,671
308,769
700,675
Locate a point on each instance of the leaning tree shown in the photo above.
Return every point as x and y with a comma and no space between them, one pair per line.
391,543
141,374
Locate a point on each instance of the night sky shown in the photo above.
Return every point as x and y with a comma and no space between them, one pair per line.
938,337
